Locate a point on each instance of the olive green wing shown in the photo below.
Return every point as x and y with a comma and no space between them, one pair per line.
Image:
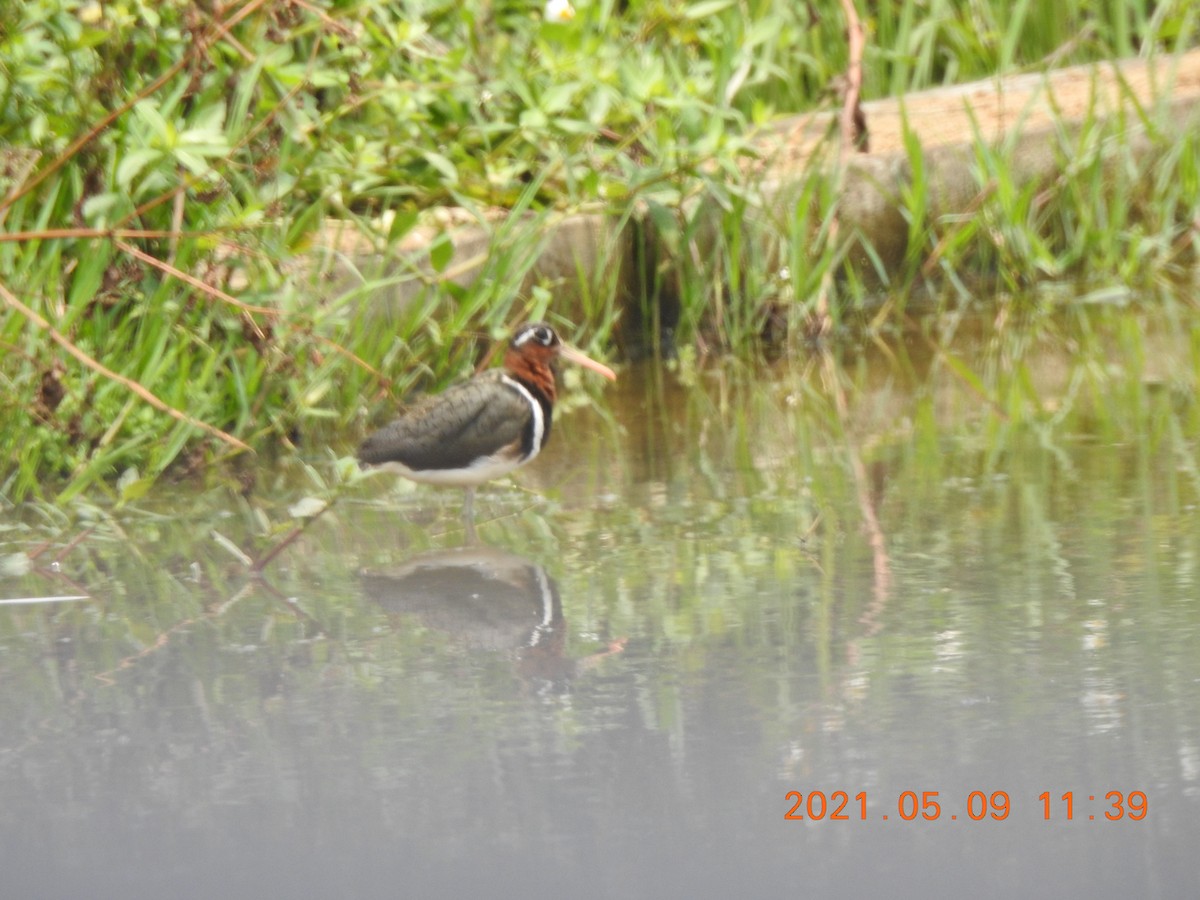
451,430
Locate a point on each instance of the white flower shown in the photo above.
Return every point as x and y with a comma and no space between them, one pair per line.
90,13
559,11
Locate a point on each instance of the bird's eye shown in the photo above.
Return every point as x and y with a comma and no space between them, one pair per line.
544,336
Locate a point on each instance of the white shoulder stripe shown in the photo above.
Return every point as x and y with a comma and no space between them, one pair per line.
539,417
546,594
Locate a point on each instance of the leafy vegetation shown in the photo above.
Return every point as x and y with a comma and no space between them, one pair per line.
168,169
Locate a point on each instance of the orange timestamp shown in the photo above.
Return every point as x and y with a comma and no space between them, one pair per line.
841,806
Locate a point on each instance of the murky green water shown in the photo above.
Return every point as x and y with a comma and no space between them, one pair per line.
714,589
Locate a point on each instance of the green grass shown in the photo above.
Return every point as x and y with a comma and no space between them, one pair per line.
146,145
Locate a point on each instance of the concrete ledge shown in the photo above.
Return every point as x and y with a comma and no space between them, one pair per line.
1035,117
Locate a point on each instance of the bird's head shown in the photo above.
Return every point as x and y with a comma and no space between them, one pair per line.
536,346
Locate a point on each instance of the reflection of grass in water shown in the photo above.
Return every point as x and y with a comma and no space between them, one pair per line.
1026,521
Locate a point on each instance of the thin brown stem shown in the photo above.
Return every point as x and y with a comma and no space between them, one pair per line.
188,180
199,48
875,536
195,282
292,536
54,234
853,122
853,132
97,129
102,369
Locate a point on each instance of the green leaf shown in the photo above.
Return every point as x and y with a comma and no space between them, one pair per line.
558,98
403,221
96,208
574,126
14,565
534,120
132,491
193,162
443,165
307,507
89,274
160,127
709,8
132,164
230,547
441,252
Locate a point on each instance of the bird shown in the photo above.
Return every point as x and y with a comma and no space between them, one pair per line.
484,427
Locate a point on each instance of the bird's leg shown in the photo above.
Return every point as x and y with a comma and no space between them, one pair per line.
469,515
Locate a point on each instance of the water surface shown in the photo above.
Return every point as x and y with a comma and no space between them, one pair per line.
715,588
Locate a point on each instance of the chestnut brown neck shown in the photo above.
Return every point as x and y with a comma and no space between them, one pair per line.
533,370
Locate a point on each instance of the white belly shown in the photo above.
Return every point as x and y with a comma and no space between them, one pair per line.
483,469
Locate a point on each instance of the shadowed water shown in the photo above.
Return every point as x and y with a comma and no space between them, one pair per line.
717,586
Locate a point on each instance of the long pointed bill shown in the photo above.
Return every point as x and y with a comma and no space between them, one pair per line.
570,354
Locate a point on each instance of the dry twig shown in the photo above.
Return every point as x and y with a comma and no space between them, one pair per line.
853,135
96,366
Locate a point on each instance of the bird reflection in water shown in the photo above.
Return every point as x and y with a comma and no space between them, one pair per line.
486,599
